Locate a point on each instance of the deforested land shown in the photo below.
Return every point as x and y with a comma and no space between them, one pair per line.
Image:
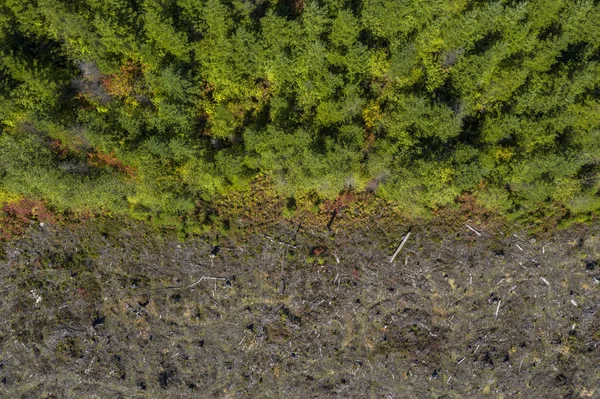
468,308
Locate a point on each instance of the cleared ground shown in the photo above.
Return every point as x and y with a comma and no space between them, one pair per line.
110,309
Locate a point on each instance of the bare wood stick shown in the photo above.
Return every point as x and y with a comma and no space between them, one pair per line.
204,278
280,242
473,230
400,247
520,364
545,281
498,308
183,287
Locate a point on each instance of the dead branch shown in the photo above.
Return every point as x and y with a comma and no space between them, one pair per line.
189,286
400,247
473,230
204,278
280,242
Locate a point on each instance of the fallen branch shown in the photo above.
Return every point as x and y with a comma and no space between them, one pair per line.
280,242
181,287
473,230
400,247
204,278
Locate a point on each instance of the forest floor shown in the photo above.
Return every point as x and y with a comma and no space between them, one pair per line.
108,308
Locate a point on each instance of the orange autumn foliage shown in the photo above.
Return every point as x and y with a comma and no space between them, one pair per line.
101,159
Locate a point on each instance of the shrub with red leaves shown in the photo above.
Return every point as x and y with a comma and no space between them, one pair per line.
340,202
18,215
103,159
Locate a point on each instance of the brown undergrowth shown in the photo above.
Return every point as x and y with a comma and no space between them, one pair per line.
262,206
17,216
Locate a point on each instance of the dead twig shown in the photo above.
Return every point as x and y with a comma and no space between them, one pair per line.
520,364
574,303
337,258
